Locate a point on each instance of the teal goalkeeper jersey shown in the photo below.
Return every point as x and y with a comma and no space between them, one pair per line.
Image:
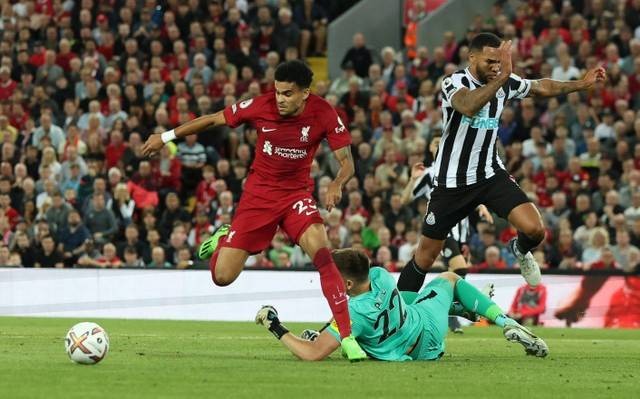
384,326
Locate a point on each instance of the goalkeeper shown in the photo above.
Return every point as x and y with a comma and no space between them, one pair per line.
386,327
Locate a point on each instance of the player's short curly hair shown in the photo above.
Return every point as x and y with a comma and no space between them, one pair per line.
484,39
352,263
294,71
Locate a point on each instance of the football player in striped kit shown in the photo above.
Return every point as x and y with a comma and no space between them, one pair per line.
468,171
453,252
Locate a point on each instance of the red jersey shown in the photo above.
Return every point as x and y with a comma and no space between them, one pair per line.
7,88
529,301
286,145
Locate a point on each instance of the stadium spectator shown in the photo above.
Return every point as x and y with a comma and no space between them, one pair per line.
360,57
192,157
76,104
529,303
177,241
57,213
158,260
624,252
48,255
565,253
108,258
101,221
132,259
598,240
312,19
606,261
131,239
287,33
492,260
123,206
72,238
49,131
24,249
173,213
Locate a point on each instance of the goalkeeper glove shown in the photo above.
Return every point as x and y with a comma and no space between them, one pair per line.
268,317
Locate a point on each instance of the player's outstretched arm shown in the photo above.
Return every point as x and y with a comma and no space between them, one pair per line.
469,102
346,171
551,88
319,349
316,350
155,142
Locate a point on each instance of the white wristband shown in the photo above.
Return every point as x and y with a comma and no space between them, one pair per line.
168,136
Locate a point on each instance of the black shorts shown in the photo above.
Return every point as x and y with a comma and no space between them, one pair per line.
447,206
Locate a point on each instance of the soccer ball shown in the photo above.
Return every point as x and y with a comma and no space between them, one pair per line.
86,343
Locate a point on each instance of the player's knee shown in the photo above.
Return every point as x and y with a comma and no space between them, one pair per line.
451,277
535,231
222,278
423,261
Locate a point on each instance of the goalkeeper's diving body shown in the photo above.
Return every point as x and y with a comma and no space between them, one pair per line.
395,326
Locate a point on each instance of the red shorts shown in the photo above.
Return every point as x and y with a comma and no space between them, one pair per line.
257,219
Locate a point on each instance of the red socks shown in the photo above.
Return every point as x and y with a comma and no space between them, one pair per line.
332,287
333,290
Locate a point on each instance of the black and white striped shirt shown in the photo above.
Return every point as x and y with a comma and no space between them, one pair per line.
422,188
468,153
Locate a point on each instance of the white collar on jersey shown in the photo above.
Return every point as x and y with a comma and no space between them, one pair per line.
470,75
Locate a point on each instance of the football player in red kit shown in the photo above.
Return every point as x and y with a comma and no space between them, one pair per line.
291,123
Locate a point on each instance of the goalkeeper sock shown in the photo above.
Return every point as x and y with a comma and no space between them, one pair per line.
474,300
333,290
411,277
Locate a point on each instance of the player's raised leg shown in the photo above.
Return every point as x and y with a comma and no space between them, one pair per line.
504,197
527,220
446,208
413,274
233,259
226,264
475,301
315,243
208,246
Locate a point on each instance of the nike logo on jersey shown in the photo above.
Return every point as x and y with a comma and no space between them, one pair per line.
265,130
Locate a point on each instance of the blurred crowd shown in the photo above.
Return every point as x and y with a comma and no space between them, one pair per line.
83,83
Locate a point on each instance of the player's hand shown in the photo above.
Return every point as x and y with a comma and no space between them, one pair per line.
334,195
505,60
152,145
309,335
484,213
417,170
595,75
266,315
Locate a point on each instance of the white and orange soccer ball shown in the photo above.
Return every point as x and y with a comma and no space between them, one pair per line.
86,343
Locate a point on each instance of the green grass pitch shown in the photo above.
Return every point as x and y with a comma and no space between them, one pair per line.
182,359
